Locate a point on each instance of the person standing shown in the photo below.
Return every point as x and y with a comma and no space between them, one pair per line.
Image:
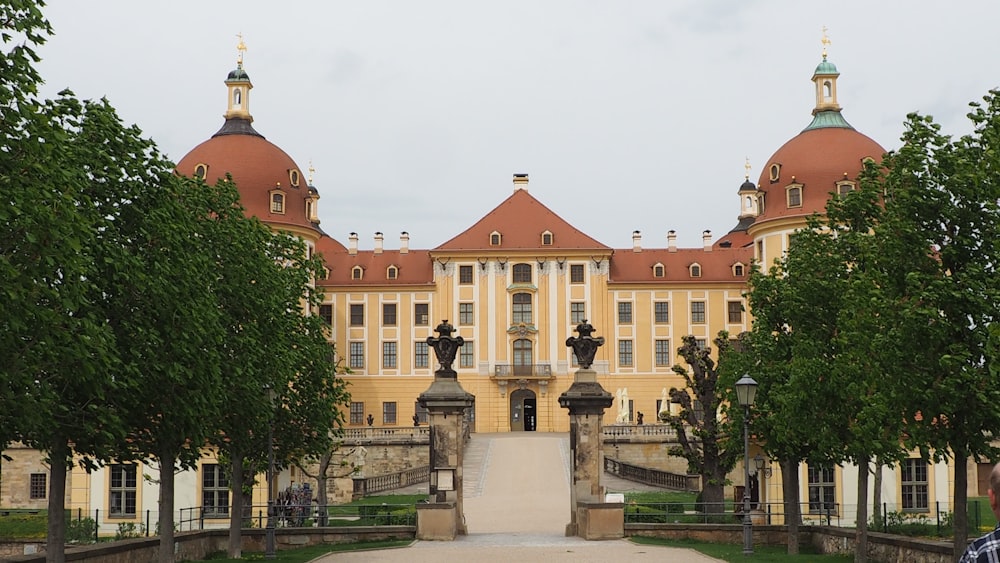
986,549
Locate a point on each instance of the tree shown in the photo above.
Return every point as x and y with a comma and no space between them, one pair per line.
708,449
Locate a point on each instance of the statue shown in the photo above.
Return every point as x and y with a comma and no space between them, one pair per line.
585,346
623,410
664,412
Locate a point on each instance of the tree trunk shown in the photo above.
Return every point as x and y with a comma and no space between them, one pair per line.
322,500
959,514
877,497
790,489
235,549
55,543
861,534
166,516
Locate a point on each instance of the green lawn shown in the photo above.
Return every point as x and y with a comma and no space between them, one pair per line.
729,552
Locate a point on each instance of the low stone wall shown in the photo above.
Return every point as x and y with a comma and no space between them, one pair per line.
196,546
826,539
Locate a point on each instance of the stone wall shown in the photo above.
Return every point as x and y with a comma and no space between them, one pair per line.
374,459
196,546
15,477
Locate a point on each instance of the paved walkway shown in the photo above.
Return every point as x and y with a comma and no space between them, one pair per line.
516,493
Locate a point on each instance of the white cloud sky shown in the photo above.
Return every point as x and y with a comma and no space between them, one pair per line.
628,116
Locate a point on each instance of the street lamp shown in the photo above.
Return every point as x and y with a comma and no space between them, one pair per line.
746,392
269,548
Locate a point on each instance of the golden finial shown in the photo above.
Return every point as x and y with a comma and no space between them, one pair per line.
311,172
746,166
242,48
825,41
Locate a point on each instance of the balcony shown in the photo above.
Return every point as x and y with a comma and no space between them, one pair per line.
529,371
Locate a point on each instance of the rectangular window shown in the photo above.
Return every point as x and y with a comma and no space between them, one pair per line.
357,358
465,275
663,353
357,314
701,342
389,314
467,357
465,316
576,273
522,308
388,355
697,312
821,490
37,488
420,315
420,357
625,312
421,414
214,491
661,311
326,313
913,479
624,352
121,493
389,412
735,312
357,413
577,312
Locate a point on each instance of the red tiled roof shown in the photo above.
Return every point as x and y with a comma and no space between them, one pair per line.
521,219
414,267
716,266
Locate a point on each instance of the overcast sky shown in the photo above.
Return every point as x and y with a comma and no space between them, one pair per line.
628,115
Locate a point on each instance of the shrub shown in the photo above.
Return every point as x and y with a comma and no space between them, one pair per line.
81,530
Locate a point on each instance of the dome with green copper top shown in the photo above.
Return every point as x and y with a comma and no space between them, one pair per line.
826,67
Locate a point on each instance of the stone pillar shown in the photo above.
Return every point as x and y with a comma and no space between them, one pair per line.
443,518
590,516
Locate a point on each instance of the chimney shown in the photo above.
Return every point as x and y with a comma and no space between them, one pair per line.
672,240
520,182
352,244
636,241
404,242
378,242
706,240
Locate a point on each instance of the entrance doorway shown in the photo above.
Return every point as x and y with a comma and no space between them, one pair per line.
523,411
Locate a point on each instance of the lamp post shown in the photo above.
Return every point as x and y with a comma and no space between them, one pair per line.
746,392
269,548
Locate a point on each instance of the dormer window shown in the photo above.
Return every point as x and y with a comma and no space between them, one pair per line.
200,171
547,238
844,187
293,177
774,172
793,195
277,202
659,271
357,273
738,270
494,239
391,273
695,270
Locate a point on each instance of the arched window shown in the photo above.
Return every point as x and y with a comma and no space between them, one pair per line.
293,177
659,271
794,195
695,270
521,273
522,357
827,91
200,171
494,239
775,172
738,270
521,312
357,273
237,97
392,272
546,238
277,202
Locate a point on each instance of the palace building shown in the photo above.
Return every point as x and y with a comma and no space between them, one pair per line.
515,284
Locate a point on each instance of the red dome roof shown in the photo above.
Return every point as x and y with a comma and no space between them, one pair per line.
258,167
817,159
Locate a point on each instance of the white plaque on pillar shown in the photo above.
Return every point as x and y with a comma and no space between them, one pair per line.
614,497
446,479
